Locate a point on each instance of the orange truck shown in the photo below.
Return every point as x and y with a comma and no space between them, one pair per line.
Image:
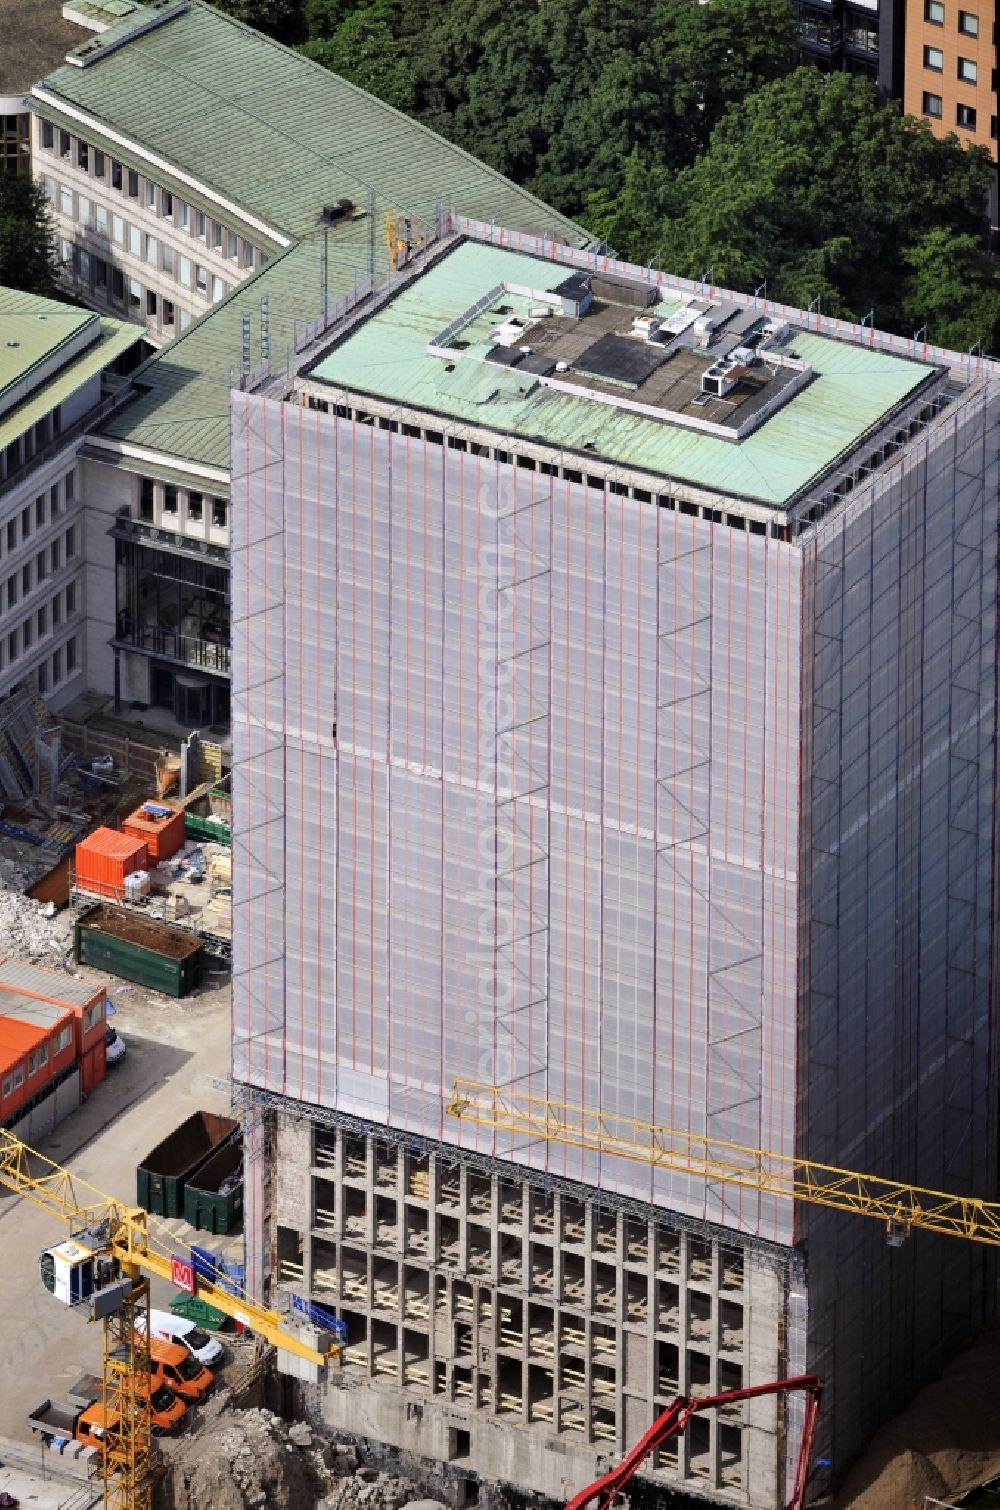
165,1410
175,1369
82,1417
81,1423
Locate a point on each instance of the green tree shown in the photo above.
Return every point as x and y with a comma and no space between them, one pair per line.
278,18
953,289
716,55
628,216
364,50
27,237
812,185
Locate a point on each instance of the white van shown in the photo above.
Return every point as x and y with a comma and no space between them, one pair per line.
199,1343
114,1047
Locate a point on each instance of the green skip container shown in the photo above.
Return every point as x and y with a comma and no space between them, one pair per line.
213,1198
190,1308
138,948
161,1177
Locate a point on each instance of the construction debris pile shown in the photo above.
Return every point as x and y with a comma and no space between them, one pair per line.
32,931
245,1459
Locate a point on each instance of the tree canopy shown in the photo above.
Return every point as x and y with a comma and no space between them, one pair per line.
815,187
558,96
680,132
27,238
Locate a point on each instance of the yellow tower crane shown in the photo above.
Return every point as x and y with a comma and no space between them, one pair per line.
900,1206
103,1268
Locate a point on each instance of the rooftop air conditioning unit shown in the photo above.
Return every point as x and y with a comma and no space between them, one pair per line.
342,210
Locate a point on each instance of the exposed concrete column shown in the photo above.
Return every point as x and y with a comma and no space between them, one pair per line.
762,1327
621,1316
255,1204
652,1313
714,1335
370,1233
683,1357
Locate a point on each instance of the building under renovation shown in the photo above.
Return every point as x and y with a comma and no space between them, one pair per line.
614,729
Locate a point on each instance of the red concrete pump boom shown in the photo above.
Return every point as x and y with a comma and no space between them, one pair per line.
674,1422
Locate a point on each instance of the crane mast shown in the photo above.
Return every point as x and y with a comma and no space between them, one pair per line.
104,1266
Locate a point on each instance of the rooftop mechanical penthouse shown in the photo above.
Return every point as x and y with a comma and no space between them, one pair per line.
614,723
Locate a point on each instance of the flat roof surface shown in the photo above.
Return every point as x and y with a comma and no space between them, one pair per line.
28,1009
34,38
31,329
17,1039
851,387
53,985
38,338
276,134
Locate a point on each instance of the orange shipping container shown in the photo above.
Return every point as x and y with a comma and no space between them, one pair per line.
86,999
32,1054
163,836
105,858
93,1066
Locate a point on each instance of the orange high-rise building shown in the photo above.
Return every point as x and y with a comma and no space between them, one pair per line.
950,74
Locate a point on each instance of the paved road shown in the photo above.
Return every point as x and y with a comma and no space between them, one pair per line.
30,1475
174,1049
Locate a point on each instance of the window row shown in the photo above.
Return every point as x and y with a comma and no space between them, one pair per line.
22,640
965,115
45,564
24,448
159,255
159,201
967,69
109,285
46,508
968,21
546,468
60,665
15,143
36,1060
179,505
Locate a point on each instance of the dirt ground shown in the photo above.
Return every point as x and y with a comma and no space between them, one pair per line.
947,1440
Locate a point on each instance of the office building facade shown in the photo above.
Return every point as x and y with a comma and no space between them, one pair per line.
61,370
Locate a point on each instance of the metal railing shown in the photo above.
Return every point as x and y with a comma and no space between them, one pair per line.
185,649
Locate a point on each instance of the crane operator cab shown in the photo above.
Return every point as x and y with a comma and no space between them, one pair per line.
78,1274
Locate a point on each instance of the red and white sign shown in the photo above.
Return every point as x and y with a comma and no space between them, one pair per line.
182,1275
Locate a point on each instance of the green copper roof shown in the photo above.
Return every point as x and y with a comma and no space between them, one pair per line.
32,329
277,137
20,312
182,408
275,134
853,388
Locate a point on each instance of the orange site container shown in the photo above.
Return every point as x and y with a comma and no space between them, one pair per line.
85,999
23,1048
162,836
105,858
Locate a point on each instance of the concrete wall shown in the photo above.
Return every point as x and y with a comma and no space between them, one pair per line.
105,490
520,1331
166,269
56,483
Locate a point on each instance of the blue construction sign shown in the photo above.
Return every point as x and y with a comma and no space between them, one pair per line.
319,1316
